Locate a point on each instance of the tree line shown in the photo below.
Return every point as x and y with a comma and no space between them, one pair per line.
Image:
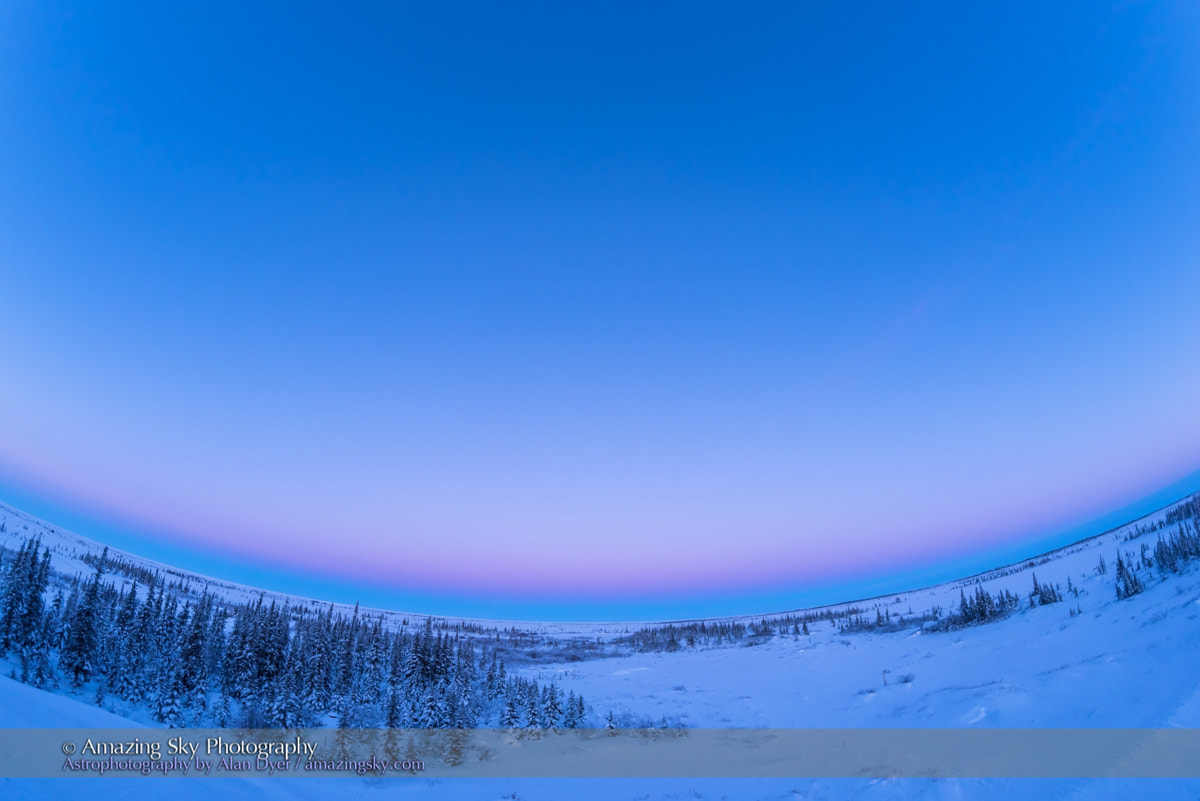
206,662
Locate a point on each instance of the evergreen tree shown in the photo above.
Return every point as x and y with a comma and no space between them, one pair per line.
551,706
1128,583
22,618
510,718
394,718
1044,593
16,596
191,674
119,674
533,711
571,718
80,651
34,648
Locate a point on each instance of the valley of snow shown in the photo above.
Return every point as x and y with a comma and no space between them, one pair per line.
1088,661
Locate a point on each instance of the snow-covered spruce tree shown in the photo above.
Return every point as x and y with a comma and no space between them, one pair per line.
166,696
81,648
23,621
533,709
1128,583
26,582
981,607
190,682
117,656
42,672
35,647
138,662
214,643
1179,548
1043,594
394,712
510,718
13,602
966,613
55,625
222,712
286,709
171,697
580,715
570,718
552,706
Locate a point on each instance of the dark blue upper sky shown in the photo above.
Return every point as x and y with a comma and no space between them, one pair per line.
644,303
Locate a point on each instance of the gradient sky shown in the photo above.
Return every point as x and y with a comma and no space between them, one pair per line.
597,310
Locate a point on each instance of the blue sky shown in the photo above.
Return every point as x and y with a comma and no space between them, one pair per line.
604,308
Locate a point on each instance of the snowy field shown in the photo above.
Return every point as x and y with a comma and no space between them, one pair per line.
1130,663
1090,660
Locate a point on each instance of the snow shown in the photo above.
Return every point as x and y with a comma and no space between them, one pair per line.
28,707
1037,668
1113,664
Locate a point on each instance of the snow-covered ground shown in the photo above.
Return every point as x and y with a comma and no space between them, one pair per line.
1129,663
1088,661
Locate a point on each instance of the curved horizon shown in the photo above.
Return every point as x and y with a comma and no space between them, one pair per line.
598,308
385,598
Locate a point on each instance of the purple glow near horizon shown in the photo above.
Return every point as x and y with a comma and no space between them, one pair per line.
786,299
900,525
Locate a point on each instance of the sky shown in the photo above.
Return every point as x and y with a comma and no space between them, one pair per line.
597,309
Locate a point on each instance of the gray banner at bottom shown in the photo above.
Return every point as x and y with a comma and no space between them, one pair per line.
636,753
